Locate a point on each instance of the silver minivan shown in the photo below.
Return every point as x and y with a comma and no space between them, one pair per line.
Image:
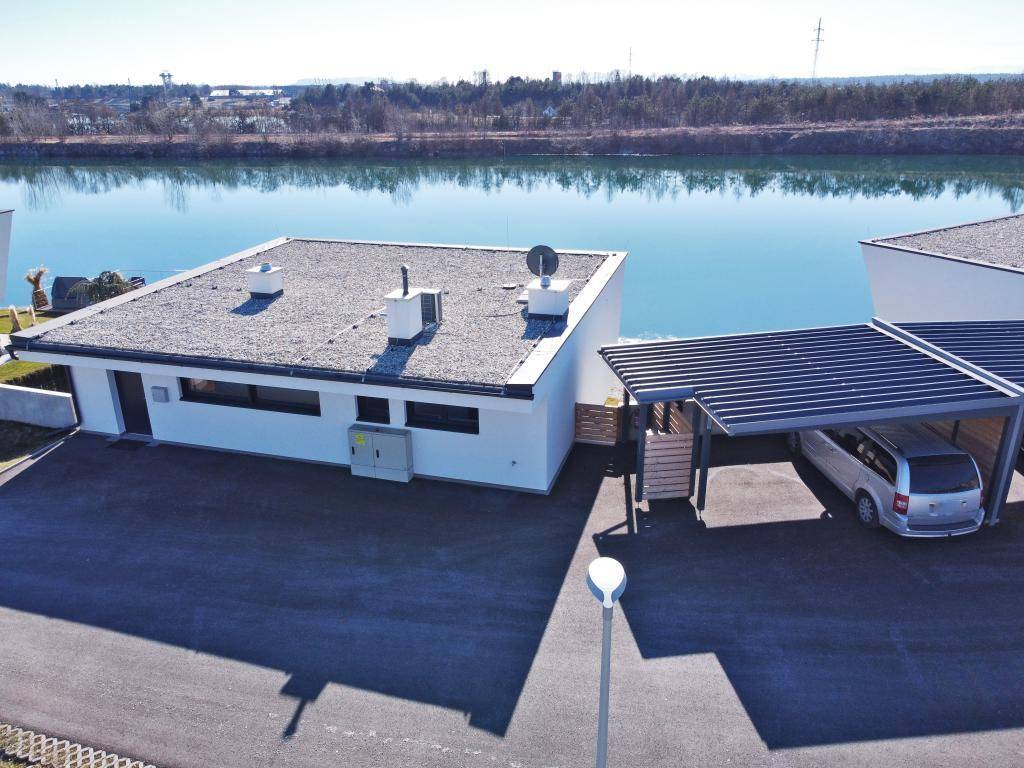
904,477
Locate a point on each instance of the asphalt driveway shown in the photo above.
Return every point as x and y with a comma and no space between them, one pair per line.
195,608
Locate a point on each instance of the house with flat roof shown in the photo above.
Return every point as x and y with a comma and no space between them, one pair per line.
970,271
443,361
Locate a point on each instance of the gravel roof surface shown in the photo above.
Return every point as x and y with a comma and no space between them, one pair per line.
1000,241
328,316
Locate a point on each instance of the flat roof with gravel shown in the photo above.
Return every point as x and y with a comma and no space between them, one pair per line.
328,322
995,241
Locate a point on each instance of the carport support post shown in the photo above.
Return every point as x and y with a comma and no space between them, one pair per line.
643,410
705,457
624,423
1008,449
697,427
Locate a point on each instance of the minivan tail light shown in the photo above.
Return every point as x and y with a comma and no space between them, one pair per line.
900,503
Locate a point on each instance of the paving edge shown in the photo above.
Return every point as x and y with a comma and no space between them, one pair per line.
49,752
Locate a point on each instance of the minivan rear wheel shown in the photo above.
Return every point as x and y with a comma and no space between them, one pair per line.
793,443
867,512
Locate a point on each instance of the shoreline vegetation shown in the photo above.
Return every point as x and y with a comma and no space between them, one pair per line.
974,135
44,183
614,115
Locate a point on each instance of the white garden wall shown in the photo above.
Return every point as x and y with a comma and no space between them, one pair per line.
36,406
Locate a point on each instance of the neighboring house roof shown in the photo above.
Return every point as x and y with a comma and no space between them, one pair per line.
327,323
994,241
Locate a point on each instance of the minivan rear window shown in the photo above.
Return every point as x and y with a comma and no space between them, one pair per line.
942,474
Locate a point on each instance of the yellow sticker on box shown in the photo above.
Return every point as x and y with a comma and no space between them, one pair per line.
360,438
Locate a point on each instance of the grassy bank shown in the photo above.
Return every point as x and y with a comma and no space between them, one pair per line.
1000,134
15,369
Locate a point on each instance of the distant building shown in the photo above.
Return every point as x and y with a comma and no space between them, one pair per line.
556,77
971,271
245,93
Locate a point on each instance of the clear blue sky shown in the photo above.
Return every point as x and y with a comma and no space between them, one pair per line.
271,41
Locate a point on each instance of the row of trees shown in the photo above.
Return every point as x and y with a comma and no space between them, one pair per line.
642,102
518,104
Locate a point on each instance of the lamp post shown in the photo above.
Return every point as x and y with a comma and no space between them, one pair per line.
607,581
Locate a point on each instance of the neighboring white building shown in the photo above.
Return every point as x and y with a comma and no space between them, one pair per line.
285,361
5,251
967,272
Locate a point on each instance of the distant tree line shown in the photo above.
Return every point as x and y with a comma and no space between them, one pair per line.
641,102
515,104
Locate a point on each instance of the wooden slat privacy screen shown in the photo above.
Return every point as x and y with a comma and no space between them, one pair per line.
668,455
598,424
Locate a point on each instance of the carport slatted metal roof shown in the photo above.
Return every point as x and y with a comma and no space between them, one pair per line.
995,345
814,378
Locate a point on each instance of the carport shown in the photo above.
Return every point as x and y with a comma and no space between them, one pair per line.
815,378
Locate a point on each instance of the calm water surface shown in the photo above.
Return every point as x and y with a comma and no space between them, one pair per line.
716,244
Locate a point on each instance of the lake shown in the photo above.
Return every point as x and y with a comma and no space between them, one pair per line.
716,245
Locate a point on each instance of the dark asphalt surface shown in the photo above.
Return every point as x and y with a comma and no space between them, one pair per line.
194,608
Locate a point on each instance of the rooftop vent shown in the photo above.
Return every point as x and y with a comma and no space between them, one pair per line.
265,281
546,298
410,310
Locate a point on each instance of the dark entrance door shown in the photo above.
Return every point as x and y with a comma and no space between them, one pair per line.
133,403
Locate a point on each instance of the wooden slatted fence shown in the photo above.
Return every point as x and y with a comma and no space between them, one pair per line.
667,462
598,424
668,455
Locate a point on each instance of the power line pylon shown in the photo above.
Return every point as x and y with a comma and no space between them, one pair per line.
817,44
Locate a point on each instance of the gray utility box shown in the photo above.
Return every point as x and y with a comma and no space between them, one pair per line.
382,452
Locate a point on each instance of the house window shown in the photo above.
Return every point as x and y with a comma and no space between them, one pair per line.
375,409
251,396
453,418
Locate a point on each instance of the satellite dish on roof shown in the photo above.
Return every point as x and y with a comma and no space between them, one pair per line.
543,262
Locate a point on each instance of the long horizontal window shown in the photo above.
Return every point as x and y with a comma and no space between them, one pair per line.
453,418
251,396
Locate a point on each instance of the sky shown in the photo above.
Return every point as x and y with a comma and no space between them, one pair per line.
275,42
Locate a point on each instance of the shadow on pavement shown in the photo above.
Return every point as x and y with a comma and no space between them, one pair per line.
829,632
433,592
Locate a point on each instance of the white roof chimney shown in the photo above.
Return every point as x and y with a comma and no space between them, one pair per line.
265,281
548,298
404,308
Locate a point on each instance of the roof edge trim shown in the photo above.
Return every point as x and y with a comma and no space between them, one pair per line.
218,364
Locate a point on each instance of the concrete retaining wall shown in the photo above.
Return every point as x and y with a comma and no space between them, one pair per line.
37,406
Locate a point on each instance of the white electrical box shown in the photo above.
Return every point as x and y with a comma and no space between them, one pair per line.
381,452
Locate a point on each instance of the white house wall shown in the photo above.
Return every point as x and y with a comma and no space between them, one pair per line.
96,400
577,373
508,451
907,286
